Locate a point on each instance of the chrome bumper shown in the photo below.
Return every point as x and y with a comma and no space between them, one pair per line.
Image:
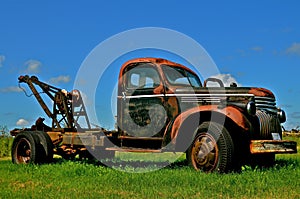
272,146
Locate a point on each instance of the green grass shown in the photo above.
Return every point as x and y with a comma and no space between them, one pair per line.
5,146
81,179
67,179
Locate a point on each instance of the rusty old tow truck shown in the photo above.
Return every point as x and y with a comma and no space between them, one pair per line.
162,107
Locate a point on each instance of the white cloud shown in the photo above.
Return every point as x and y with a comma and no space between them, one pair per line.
294,49
10,89
2,59
60,79
33,66
227,79
22,122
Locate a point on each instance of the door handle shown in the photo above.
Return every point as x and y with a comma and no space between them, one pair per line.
124,95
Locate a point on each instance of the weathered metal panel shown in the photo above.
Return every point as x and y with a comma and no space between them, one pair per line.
80,139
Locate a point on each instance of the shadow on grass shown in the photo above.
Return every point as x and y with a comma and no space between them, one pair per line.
180,164
123,165
286,163
132,165
279,164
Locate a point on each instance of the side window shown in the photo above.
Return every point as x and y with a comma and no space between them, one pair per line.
134,80
142,76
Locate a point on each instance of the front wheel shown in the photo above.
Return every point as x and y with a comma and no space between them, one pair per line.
212,148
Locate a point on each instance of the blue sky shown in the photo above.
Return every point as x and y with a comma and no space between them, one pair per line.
255,42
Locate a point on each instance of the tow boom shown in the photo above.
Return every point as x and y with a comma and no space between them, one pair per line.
68,107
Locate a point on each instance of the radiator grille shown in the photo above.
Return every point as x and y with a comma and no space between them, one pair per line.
269,123
267,104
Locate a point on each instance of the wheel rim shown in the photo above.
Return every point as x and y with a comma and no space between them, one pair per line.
205,153
23,151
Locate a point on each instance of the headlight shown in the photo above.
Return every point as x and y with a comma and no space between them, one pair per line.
251,108
281,116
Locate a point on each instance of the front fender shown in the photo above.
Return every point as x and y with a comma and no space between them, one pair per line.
183,127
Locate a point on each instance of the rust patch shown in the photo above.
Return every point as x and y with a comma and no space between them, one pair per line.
56,137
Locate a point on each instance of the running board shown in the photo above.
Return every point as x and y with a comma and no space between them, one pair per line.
141,138
131,149
140,143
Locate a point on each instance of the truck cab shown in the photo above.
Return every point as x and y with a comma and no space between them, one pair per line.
166,101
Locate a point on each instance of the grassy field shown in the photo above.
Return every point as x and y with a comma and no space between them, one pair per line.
80,179
5,146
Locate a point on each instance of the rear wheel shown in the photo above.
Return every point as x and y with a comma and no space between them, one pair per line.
32,147
46,145
24,149
212,149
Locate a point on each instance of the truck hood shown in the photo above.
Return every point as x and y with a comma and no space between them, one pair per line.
261,92
228,96
258,92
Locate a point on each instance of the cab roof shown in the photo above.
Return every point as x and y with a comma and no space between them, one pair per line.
157,61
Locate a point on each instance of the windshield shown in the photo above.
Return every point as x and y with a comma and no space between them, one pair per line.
179,76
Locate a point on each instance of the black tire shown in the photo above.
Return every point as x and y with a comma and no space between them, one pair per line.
215,146
24,149
46,145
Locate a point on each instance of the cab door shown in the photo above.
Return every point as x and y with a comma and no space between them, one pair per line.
141,101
